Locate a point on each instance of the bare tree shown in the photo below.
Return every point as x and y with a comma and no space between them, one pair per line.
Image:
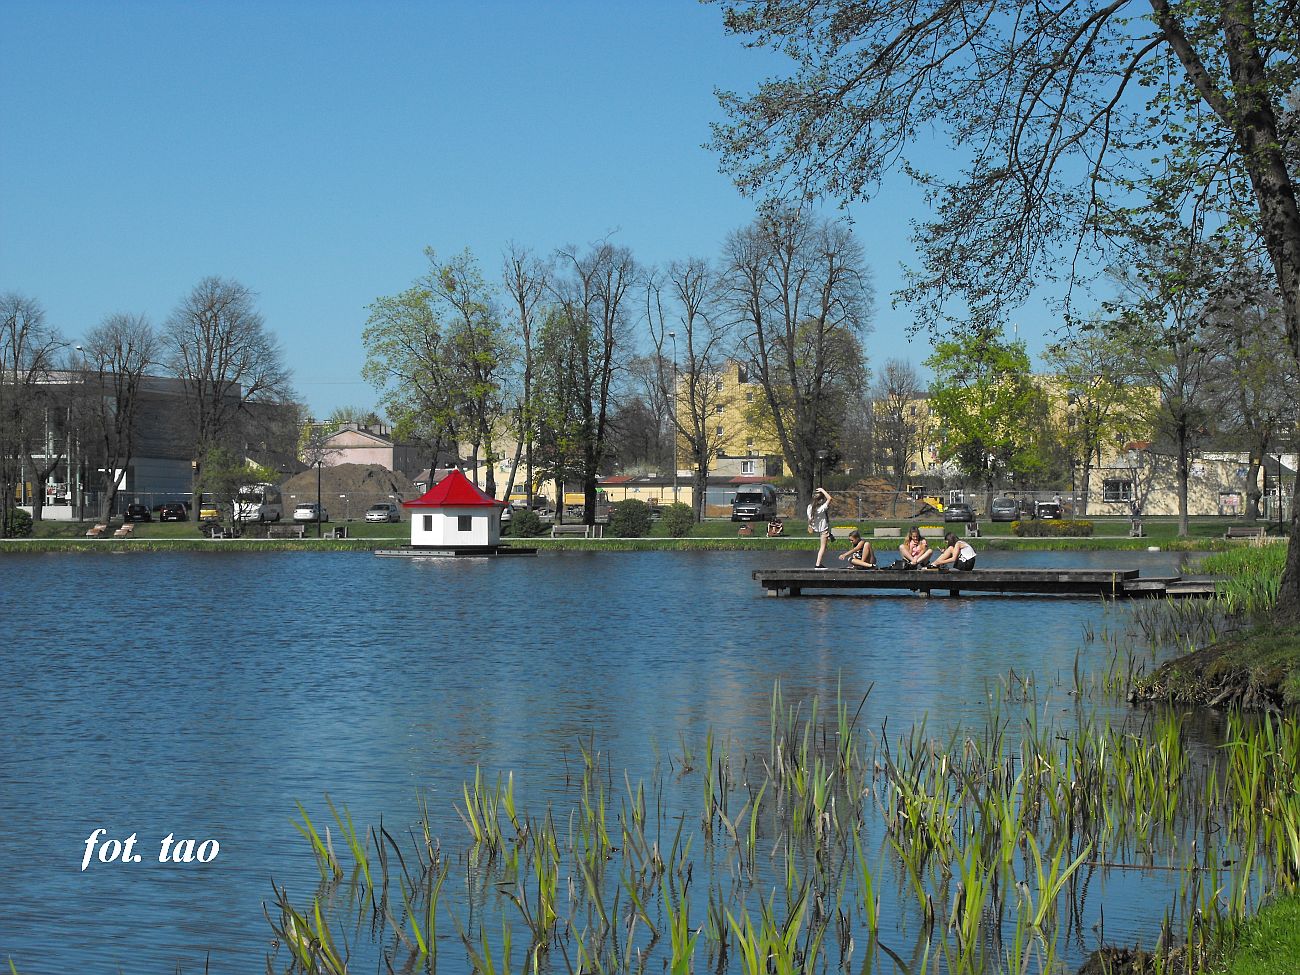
591,295
113,362
217,343
898,427
526,279
801,290
685,311
29,349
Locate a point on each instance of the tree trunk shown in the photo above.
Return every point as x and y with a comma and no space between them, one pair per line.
699,489
1184,474
1253,492
38,483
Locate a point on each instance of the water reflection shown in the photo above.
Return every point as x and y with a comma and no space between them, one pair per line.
203,695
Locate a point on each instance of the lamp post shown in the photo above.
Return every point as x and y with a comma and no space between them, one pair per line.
319,461
822,455
673,336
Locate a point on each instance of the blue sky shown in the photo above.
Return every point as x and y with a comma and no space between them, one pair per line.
311,150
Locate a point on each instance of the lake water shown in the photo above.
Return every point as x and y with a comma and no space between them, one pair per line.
202,695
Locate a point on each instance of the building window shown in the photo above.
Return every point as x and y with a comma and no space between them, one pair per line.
742,375
718,409
748,467
749,396
464,523
717,387
428,523
1115,490
718,429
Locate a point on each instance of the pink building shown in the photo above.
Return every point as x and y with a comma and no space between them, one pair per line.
356,443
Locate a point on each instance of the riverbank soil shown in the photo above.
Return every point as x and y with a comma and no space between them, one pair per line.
1119,961
1260,669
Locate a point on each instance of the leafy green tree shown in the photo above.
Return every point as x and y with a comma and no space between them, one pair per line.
982,392
224,472
1105,408
1068,115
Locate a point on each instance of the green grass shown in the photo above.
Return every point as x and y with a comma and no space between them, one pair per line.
1269,943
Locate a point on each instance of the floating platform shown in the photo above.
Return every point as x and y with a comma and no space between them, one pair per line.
453,551
1112,583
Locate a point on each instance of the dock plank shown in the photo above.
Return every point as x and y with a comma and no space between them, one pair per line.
1116,583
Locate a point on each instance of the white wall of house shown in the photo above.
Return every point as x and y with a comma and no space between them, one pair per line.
456,526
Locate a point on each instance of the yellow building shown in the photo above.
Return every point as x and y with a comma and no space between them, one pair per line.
739,424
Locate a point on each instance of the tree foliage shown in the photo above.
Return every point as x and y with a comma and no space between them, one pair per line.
1071,123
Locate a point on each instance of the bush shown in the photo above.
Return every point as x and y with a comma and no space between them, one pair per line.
526,524
678,520
18,524
629,519
1049,529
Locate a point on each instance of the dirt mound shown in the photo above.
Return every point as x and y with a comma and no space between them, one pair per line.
348,489
877,498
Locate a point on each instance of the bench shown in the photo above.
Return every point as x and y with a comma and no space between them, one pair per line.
340,532
595,531
972,529
286,531
931,531
887,532
1245,531
1135,528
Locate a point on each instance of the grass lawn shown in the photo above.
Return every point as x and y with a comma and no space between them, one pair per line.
1269,943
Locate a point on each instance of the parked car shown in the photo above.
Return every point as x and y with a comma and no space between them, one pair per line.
1048,510
173,511
1004,509
137,512
310,511
384,511
1028,509
959,511
209,511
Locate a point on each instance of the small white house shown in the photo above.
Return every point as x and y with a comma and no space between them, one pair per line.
455,514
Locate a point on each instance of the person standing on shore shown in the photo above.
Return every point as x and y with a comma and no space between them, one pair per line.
819,522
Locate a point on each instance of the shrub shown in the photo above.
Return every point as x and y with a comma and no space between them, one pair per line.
18,524
678,520
526,524
1049,529
629,519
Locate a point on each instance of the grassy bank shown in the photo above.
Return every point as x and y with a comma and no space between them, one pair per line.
1251,662
1268,943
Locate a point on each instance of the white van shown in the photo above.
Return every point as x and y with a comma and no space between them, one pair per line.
259,502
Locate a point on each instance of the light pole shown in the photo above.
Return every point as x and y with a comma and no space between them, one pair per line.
821,466
319,530
673,336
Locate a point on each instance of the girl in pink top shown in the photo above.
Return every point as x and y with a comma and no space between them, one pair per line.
915,550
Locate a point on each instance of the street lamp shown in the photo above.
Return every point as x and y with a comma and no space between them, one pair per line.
673,336
319,530
822,455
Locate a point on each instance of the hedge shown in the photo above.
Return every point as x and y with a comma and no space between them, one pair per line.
1051,528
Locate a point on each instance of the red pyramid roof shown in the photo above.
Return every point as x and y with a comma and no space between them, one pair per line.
454,491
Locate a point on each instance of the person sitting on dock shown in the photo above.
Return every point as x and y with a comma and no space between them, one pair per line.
958,555
915,551
775,529
861,555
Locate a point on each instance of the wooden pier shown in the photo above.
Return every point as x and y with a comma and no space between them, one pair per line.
1112,583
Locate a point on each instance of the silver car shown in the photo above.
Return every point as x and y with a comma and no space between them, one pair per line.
383,512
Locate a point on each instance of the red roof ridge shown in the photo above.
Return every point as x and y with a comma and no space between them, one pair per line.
454,491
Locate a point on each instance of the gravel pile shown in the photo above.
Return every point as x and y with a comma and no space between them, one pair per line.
363,484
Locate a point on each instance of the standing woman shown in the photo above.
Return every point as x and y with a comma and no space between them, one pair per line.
819,522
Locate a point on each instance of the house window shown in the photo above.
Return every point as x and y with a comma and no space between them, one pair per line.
464,523
718,429
717,387
1115,490
748,467
718,409
428,523
749,396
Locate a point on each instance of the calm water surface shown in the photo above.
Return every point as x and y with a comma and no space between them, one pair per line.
204,694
